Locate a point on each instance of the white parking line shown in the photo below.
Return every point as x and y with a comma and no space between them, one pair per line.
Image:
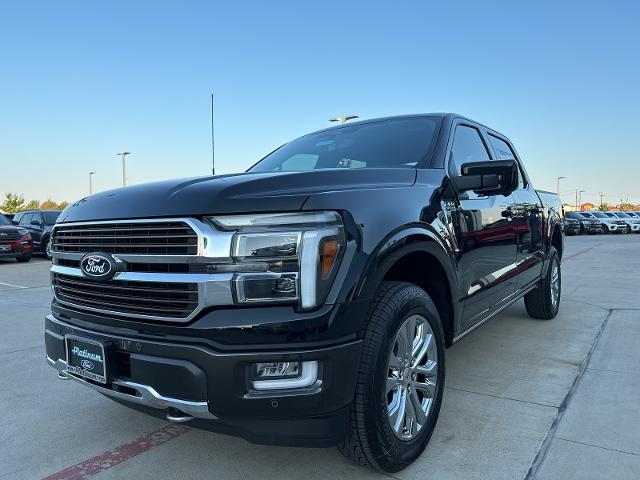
12,285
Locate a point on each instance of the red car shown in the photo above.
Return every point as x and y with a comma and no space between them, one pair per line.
15,242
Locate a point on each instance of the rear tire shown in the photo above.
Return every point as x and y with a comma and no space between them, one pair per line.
24,258
393,385
543,302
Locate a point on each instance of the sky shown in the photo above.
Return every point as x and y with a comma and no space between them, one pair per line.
81,81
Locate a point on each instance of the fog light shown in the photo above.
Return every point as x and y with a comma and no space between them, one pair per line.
277,369
284,375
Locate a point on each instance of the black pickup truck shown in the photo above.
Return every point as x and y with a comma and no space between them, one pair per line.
309,300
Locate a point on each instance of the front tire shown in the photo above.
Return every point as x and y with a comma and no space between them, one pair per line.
47,248
543,302
400,380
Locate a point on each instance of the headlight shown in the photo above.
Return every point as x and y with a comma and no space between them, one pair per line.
23,231
283,257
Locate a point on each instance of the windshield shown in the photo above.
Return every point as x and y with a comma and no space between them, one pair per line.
51,216
622,215
392,143
4,220
599,215
587,215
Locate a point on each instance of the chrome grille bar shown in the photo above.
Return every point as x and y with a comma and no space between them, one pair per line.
138,237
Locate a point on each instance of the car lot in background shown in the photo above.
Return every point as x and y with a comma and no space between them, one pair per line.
587,224
571,226
608,223
633,223
15,242
523,397
39,223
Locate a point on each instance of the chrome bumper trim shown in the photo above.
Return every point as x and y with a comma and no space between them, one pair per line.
146,395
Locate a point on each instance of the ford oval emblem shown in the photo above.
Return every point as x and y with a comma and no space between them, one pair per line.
87,364
98,266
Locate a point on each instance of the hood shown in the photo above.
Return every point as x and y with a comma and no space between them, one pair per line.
10,232
236,193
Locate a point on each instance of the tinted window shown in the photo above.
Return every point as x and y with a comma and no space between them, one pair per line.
393,143
26,219
599,215
467,147
501,148
4,220
587,215
50,217
622,215
17,217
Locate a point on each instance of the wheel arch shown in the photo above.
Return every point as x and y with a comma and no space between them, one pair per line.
420,257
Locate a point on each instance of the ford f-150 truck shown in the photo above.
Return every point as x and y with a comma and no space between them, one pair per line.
309,300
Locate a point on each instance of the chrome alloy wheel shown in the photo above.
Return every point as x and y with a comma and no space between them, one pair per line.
555,284
412,377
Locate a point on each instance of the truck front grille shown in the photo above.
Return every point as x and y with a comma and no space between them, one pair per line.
130,298
135,238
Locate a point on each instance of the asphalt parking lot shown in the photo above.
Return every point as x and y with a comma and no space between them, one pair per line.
525,399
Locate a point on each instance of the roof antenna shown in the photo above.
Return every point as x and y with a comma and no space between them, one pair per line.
213,145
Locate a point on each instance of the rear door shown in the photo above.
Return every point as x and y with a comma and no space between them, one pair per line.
527,217
486,238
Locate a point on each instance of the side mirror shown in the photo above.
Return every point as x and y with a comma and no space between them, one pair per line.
492,177
37,223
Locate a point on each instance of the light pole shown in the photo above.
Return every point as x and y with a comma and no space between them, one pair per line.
124,167
558,184
91,182
580,200
601,195
344,119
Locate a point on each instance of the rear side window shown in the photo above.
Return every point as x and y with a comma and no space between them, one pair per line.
501,148
467,147
503,151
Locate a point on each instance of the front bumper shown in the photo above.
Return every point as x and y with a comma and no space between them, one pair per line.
16,248
591,227
188,381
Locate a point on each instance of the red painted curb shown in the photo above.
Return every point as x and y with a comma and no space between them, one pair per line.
106,460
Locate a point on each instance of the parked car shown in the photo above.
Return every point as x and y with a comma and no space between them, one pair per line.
571,226
609,224
15,242
308,301
39,223
587,223
633,224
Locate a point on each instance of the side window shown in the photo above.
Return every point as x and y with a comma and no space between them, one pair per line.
26,219
300,162
504,152
467,147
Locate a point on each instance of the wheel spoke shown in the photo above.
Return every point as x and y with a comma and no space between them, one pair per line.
418,357
392,384
429,369
403,344
410,418
428,388
417,406
397,415
395,362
